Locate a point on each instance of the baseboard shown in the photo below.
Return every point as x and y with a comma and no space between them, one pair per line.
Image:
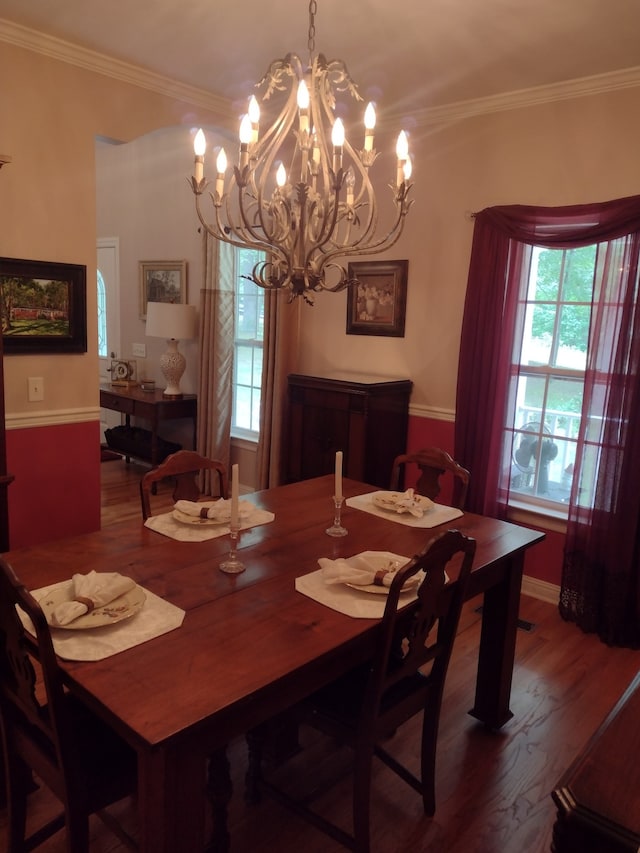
543,590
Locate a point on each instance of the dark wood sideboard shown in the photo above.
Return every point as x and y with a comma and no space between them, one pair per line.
152,407
366,417
598,798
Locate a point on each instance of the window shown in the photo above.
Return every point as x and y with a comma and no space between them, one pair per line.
102,317
248,346
550,364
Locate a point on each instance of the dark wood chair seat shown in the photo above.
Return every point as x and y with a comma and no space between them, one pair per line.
186,468
407,675
432,463
49,733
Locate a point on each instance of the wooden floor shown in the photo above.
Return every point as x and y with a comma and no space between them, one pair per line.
493,788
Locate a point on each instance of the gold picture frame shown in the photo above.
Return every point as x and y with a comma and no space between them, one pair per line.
162,281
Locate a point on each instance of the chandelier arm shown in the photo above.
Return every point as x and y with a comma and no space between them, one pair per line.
324,207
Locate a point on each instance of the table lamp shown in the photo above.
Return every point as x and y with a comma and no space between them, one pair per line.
175,323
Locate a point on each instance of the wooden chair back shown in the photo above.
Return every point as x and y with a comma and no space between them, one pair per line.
406,676
185,467
47,732
432,463
408,642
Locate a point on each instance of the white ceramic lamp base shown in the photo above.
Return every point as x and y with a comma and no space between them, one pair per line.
172,365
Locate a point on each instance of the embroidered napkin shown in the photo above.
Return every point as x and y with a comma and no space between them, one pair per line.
360,570
409,502
219,510
89,591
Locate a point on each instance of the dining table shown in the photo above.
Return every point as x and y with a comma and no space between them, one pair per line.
248,646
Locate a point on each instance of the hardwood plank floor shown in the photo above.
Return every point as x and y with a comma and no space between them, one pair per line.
493,788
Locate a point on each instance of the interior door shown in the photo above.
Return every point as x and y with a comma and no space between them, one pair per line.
108,283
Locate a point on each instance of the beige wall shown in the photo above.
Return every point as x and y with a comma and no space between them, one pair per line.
566,152
563,152
51,113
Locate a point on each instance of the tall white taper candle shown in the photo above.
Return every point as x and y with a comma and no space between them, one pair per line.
234,495
338,492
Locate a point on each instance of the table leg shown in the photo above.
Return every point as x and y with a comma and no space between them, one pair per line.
497,647
219,791
171,800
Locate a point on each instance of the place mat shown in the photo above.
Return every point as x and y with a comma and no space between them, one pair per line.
157,617
440,514
345,599
168,526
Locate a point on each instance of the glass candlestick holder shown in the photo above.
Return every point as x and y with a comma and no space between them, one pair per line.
336,528
232,565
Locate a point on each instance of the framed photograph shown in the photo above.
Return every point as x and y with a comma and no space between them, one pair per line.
162,281
43,306
376,305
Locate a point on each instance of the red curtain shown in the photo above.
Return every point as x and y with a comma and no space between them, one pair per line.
600,580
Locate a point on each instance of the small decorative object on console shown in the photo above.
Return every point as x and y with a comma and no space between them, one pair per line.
123,372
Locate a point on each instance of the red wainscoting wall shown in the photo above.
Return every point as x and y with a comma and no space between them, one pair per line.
53,495
544,562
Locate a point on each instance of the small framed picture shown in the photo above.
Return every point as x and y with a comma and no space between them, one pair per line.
377,303
43,307
162,281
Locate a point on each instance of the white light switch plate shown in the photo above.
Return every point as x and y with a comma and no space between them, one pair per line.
139,350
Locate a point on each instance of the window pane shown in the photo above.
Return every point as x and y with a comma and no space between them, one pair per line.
249,333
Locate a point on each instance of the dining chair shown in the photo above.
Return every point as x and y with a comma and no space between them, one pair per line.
49,735
184,467
432,463
406,676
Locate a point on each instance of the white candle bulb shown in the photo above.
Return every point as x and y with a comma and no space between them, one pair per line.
303,105
254,117
221,167
281,175
402,152
337,139
369,124
338,476
199,147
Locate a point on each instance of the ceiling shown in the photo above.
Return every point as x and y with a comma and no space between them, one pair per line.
407,56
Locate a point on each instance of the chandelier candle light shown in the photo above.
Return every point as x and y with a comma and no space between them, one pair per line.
322,207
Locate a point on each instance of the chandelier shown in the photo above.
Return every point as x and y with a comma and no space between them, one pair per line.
300,192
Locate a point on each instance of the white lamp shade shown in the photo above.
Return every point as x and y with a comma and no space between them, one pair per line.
170,320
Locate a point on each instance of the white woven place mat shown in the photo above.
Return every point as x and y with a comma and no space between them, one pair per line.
156,617
345,599
440,514
168,526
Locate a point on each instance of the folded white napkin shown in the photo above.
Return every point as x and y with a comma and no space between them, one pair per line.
220,510
358,570
90,591
410,502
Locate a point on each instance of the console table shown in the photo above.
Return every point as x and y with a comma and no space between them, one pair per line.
366,417
598,799
151,406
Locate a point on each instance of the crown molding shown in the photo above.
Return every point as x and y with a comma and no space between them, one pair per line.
628,78
430,116
125,72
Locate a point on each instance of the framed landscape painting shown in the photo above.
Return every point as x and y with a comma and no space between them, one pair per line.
162,281
43,307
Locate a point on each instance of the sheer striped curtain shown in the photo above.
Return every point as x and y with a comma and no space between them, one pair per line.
281,336
215,391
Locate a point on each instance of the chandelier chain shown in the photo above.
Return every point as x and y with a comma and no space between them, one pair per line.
313,8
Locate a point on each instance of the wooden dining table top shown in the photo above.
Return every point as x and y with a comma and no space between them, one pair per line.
250,645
